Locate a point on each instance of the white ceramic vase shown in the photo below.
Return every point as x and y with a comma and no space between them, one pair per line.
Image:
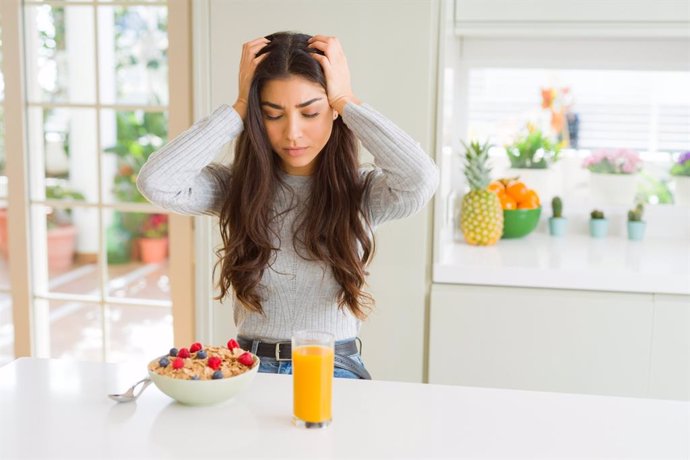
681,195
612,189
546,182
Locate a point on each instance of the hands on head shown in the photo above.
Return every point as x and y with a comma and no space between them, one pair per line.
248,64
334,65
332,61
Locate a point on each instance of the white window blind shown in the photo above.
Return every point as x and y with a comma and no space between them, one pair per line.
648,111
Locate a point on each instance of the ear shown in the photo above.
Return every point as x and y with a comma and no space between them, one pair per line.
335,114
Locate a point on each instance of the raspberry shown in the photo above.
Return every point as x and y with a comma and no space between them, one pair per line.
183,353
246,358
178,363
232,344
214,362
196,346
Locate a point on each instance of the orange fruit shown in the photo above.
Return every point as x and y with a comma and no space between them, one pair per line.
496,187
507,201
518,190
535,195
531,200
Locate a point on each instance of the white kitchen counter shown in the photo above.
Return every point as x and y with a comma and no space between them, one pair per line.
655,265
59,409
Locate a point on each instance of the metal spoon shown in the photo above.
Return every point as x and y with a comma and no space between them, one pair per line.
129,396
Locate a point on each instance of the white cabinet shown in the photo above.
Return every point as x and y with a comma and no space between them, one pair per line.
567,17
670,370
559,340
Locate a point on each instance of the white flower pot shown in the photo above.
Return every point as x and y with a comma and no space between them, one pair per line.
681,195
612,189
546,182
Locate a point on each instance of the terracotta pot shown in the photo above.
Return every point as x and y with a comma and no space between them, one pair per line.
153,250
61,245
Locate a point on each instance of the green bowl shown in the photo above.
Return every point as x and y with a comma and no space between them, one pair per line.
520,222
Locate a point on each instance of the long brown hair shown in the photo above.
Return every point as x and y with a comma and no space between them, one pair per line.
334,227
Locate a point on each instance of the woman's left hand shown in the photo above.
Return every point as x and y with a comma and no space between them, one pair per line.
335,69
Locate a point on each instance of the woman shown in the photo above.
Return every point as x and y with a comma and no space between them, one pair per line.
296,211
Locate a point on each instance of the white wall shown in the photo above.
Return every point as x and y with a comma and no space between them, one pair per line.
391,47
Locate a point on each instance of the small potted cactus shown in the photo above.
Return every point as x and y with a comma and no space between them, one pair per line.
636,226
598,224
557,223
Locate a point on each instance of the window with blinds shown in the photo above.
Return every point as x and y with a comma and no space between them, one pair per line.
647,111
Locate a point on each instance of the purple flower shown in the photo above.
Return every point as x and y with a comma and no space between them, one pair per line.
683,158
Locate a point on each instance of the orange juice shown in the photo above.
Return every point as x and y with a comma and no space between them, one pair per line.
312,382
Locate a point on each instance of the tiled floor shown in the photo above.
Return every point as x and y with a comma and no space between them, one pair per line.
76,328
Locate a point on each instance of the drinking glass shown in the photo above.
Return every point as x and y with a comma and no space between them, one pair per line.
313,354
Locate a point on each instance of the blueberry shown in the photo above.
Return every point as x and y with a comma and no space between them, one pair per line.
201,354
163,362
173,352
195,377
218,374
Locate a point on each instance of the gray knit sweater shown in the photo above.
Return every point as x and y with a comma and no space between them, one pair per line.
298,294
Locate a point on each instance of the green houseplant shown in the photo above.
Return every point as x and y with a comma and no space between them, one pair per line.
680,172
598,224
533,151
636,226
139,134
532,156
557,223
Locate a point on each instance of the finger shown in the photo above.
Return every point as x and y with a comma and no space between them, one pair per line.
253,46
319,45
323,38
258,40
323,60
331,49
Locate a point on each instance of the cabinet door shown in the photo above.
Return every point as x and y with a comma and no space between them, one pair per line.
540,339
670,371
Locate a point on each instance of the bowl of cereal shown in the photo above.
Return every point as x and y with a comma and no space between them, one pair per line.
201,375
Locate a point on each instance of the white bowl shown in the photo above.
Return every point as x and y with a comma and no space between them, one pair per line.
204,392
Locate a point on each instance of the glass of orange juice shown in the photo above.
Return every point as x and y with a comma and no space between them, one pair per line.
313,353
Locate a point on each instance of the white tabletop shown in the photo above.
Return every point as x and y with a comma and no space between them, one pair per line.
59,409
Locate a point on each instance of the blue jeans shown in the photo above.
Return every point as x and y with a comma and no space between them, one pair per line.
273,366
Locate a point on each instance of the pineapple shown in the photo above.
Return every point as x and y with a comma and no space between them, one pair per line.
481,221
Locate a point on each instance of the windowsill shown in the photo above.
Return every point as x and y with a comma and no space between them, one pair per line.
655,265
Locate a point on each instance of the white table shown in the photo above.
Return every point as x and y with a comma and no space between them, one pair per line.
59,409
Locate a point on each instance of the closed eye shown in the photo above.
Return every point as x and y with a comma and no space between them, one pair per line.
307,115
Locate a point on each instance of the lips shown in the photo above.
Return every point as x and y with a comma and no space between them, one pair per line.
294,151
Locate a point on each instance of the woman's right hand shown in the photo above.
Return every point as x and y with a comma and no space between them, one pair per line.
248,65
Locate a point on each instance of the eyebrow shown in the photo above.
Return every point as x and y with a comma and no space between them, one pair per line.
299,106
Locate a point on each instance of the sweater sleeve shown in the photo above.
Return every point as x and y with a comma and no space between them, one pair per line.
405,177
177,176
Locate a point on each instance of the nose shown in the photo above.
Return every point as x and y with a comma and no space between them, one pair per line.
294,129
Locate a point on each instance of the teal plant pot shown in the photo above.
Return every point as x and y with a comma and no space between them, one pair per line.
636,230
598,228
558,226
